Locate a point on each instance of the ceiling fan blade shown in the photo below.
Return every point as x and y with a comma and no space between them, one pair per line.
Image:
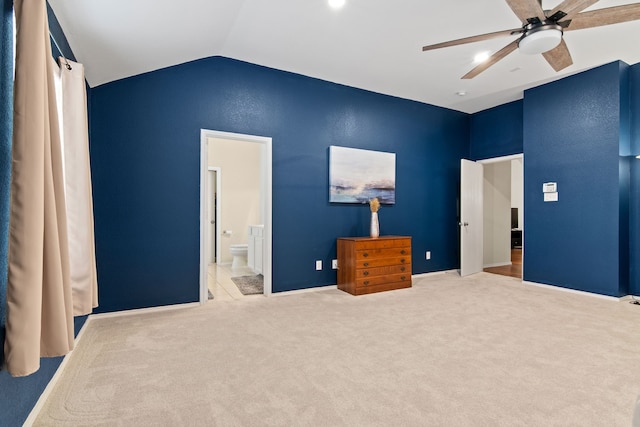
472,39
492,60
559,57
606,16
571,8
525,9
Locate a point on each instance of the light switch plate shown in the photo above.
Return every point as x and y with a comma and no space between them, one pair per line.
550,187
319,265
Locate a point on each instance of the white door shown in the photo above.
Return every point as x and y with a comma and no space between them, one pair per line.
471,218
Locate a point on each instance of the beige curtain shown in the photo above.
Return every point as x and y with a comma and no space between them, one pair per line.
39,302
77,185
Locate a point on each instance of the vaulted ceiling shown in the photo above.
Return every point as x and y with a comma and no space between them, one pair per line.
369,44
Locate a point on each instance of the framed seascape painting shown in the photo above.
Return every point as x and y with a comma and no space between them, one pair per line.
357,176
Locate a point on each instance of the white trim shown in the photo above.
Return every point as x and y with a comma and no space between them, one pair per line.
218,172
204,167
56,376
501,159
146,310
304,291
572,291
506,159
267,206
35,411
433,273
329,287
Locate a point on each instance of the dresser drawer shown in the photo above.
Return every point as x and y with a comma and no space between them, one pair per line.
382,253
379,280
383,244
382,262
362,273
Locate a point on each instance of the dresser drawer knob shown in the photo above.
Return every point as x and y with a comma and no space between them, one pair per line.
366,273
366,264
402,268
403,278
366,282
402,260
365,254
403,252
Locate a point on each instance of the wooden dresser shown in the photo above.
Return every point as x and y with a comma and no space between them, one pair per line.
367,265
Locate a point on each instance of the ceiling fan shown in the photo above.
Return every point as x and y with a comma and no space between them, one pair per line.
542,30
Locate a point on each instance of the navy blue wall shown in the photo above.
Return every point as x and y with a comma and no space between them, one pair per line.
572,136
634,209
497,132
145,146
6,126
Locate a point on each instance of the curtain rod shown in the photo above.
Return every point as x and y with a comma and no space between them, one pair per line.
60,50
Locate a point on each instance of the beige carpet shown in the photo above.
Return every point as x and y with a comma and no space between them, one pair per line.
479,351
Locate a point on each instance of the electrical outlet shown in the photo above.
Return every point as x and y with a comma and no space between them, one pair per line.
319,265
334,264
428,255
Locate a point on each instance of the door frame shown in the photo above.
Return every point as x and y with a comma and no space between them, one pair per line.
266,182
218,174
506,159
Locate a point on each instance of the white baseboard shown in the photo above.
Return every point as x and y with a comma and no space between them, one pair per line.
56,376
35,411
325,288
303,291
145,310
432,273
573,291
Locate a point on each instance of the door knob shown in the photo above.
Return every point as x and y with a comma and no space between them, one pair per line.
463,224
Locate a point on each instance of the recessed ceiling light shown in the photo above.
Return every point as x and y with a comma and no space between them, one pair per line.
461,92
336,4
481,57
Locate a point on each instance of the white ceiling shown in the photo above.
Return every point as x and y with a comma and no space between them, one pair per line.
369,44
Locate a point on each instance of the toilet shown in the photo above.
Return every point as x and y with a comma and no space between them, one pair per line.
239,253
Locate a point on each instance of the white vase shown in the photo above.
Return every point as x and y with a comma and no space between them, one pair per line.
375,226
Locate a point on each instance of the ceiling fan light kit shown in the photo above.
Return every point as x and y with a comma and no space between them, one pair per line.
540,39
542,31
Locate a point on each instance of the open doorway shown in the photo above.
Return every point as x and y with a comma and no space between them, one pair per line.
503,222
219,240
486,229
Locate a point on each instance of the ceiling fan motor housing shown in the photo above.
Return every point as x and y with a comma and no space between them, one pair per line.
540,37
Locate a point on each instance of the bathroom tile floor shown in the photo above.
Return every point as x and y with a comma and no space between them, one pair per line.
221,285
